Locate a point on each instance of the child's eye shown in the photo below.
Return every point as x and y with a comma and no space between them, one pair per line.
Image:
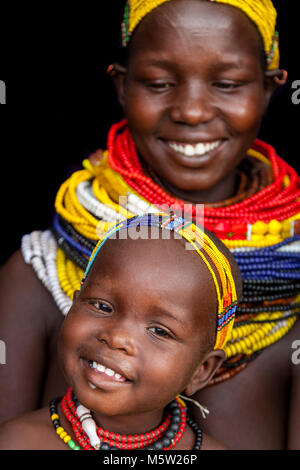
101,306
159,331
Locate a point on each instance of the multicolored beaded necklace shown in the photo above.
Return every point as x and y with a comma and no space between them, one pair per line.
92,437
260,225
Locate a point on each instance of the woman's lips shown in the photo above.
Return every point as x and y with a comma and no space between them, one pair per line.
194,155
194,149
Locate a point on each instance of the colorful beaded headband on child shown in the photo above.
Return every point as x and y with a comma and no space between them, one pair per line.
210,254
261,12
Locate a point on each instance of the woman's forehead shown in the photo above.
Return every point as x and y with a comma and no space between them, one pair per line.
199,24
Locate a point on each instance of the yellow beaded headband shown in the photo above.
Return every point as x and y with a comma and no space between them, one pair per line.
261,12
207,250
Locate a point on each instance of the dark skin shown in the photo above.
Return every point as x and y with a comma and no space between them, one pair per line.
151,329
260,418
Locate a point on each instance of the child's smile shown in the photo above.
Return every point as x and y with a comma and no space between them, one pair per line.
101,376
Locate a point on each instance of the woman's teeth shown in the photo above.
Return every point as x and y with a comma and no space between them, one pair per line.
191,150
105,370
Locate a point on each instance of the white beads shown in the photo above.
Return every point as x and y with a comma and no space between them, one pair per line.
138,206
89,202
39,249
88,425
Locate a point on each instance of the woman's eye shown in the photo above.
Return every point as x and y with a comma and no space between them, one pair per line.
159,86
102,307
159,332
226,86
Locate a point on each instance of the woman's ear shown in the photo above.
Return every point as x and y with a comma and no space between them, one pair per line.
272,80
118,73
204,373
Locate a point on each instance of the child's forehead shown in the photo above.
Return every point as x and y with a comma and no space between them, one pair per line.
150,250
159,271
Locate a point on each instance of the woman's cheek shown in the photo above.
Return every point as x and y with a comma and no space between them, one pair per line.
245,114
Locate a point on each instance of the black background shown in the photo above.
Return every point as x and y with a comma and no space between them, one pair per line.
60,103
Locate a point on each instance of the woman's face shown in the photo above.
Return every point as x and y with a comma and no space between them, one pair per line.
194,92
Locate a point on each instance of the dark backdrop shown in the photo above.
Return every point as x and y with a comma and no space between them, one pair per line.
60,104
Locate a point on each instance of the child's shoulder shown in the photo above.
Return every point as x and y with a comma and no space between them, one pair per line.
209,443
32,431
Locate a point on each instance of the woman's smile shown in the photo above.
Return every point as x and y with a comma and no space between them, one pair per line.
194,154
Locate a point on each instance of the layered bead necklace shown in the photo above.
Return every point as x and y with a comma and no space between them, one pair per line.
92,437
277,201
260,225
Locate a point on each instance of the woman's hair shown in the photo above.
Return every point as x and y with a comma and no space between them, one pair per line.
123,52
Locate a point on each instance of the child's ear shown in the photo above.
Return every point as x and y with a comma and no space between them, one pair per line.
272,80
118,73
204,373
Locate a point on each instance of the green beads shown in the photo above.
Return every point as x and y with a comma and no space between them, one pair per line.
72,445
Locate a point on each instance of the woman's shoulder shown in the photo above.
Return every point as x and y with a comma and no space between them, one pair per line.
22,291
32,431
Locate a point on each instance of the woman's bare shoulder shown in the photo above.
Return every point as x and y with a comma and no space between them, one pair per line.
22,291
32,431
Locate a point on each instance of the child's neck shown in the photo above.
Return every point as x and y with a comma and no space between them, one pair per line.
134,424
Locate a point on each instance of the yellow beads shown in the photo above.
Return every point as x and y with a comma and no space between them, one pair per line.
272,232
69,275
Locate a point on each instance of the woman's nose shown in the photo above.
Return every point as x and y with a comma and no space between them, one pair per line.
191,105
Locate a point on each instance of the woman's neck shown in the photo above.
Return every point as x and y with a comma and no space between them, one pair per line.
225,189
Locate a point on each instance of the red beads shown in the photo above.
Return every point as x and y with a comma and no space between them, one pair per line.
116,440
279,200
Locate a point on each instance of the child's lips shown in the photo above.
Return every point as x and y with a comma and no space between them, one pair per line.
100,376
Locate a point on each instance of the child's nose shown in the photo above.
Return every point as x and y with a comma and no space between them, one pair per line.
119,338
192,105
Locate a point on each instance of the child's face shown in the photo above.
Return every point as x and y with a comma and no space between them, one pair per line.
194,76
144,312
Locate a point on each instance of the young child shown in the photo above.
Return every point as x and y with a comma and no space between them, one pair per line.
148,324
194,81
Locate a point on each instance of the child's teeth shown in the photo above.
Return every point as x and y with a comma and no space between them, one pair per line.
91,385
106,370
